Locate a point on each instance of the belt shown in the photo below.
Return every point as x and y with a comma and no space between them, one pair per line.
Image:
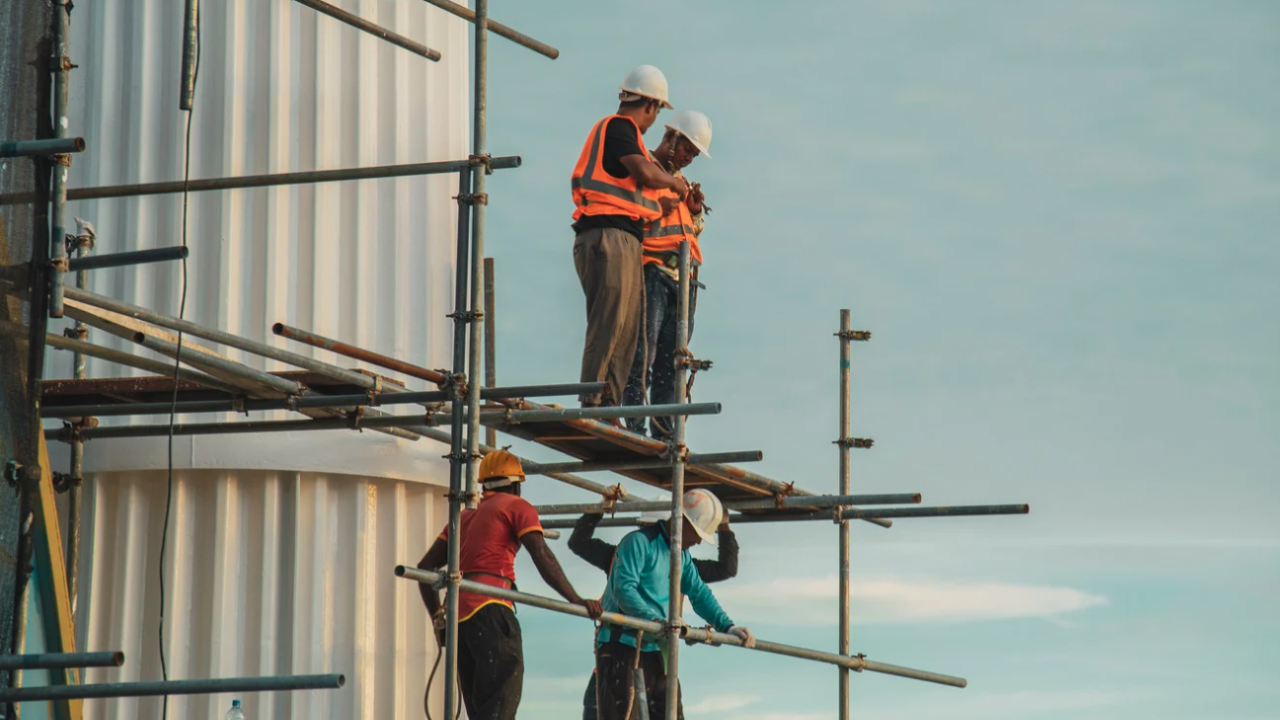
669,258
476,574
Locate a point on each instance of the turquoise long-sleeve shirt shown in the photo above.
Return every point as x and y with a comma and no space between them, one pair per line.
640,586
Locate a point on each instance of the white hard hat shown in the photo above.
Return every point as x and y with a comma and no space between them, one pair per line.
703,511
645,81
695,126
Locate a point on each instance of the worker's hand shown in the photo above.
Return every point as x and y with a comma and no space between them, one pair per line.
437,625
745,635
680,186
695,199
668,204
594,608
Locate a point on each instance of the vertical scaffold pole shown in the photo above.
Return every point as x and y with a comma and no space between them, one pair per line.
490,342
676,604
478,170
61,82
74,497
457,458
843,444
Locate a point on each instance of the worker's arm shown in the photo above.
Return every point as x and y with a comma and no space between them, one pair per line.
628,568
703,601
650,175
437,557
725,567
550,570
585,545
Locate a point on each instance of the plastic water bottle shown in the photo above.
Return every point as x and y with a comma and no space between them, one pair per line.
235,713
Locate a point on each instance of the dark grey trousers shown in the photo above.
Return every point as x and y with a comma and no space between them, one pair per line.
608,262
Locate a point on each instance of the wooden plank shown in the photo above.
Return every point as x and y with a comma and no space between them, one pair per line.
51,572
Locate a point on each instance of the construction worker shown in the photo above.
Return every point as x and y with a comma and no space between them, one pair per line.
616,189
639,584
490,652
688,135
585,545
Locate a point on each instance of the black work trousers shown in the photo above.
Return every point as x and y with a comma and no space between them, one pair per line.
656,356
616,696
491,663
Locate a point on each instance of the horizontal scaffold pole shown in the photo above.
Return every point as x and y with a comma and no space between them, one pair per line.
495,417
222,337
498,28
41,148
142,363
310,401
61,661
122,259
807,501
643,463
269,683
243,182
696,634
360,23
833,515
306,337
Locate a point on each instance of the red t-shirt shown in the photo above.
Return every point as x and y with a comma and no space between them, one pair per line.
490,540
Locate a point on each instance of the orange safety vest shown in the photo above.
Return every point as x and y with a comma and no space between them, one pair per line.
665,234
596,192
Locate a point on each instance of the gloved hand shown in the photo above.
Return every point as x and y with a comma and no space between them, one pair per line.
743,634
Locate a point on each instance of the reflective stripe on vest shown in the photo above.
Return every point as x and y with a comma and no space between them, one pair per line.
666,234
596,192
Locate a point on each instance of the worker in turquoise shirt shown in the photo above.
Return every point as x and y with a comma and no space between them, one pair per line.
639,586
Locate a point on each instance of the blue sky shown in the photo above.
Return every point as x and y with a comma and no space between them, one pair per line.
1059,219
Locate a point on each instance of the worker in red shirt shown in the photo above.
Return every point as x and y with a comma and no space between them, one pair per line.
490,652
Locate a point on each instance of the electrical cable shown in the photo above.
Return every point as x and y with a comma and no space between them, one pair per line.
431,679
177,364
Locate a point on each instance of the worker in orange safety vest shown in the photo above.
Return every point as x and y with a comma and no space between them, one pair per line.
653,372
616,192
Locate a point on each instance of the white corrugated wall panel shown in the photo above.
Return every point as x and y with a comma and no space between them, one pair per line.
266,573
281,88
280,547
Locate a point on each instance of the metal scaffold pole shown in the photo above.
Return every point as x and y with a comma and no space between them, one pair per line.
676,530
457,459
844,524
479,169
61,83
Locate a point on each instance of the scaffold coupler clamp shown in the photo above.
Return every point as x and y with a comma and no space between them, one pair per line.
356,414
787,491
837,514
73,432
858,335
238,407
455,384
484,160
21,475
63,482
677,627
708,640
852,442
76,332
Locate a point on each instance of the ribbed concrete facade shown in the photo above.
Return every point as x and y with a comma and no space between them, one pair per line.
280,547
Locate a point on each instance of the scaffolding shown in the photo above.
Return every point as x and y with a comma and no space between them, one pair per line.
199,380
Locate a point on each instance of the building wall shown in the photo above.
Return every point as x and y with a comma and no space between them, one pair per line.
280,548
266,573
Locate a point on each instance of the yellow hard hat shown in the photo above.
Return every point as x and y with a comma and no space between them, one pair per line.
498,466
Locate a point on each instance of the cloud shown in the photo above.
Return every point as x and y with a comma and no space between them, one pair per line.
810,601
719,704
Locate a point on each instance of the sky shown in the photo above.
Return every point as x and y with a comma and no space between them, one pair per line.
1059,220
